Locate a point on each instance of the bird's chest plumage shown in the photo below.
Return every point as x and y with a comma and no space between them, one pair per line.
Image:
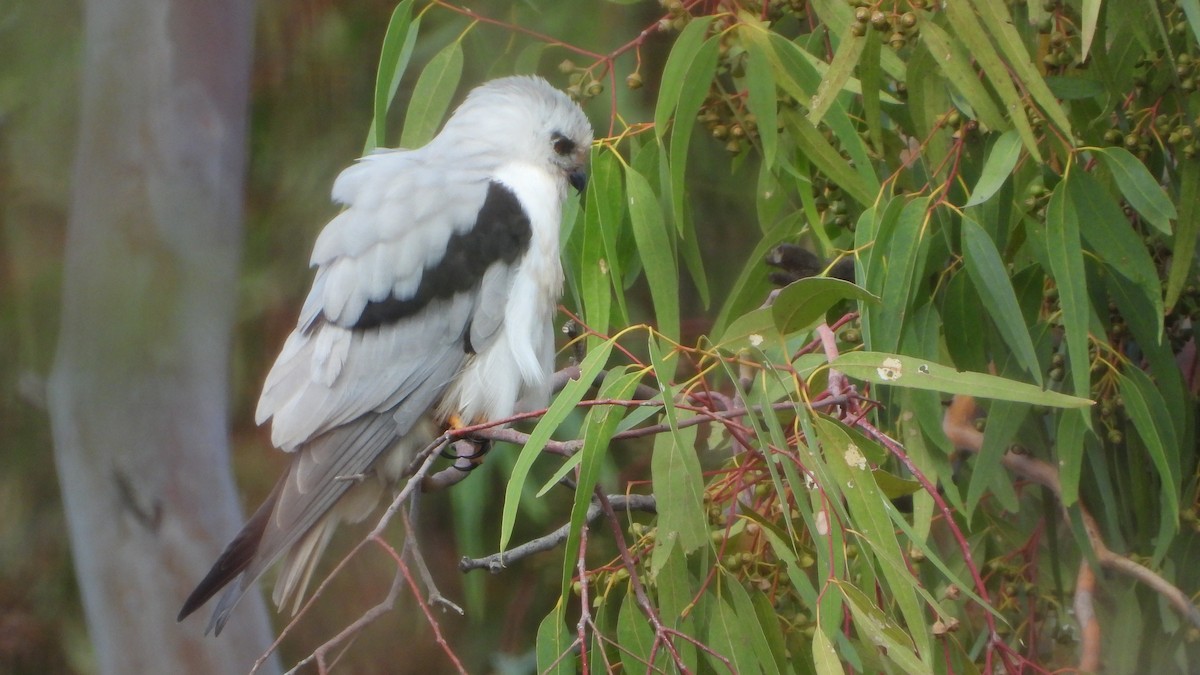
512,372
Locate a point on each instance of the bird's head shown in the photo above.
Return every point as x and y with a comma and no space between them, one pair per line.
524,119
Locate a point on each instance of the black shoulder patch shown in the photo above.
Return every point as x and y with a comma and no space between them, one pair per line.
501,233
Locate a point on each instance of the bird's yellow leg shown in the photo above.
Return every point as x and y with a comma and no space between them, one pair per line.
455,422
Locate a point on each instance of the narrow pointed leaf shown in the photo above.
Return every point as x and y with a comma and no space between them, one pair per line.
1142,400
1109,235
432,95
1186,231
1140,188
553,649
656,251
683,53
844,61
562,405
991,279
903,371
999,165
398,44
803,303
1065,252
760,87
955,65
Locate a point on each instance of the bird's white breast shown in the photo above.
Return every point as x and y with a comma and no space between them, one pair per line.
512,373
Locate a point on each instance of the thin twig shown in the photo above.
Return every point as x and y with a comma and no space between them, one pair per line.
1085,614
496,562
413,550
318,655
585,605
412,584
639,591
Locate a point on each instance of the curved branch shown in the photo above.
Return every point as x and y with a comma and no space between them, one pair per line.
959,429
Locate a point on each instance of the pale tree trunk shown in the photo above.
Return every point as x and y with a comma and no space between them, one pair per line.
140,382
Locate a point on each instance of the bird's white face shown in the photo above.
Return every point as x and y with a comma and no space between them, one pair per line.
526,119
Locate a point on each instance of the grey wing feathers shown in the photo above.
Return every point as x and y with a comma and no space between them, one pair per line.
378,248
333,375
400,214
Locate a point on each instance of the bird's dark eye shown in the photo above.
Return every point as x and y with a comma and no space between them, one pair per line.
563,145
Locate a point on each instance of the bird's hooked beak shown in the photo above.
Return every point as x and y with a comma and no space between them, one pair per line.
578,179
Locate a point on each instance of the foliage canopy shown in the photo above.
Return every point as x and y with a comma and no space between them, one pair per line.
1016,185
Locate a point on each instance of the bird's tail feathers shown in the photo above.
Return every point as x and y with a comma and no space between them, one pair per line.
231,565
300,562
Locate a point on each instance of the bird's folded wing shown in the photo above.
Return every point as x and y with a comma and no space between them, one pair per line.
401,211
397,286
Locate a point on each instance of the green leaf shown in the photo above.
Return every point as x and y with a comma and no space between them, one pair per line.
754,327
562,406
963,331
675,594
554,655
432,95
803,303
990,276
849,50
1109,234
635,637
1068,442
934,557
903,371
872,81
999,165
988,474
600,272
838,15
1139,187
656,251
848,464
695,89
1065,252
727,635
955,64
1144,404
898,261
398,44
609,187
969,29
528,59
824,657
768,620
1191,9
683,53
760,87
678,488
998,23
599,426
751,631
880,630
826,158
1091,16
1187,229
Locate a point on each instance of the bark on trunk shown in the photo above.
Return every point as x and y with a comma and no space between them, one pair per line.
140,382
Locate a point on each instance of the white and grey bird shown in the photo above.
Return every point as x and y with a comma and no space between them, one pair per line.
433,299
